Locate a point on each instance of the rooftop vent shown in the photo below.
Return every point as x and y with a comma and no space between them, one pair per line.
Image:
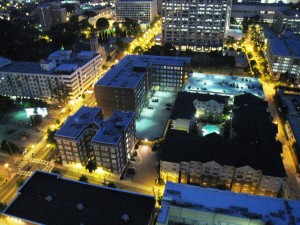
79,206
125,217
76,119
49,198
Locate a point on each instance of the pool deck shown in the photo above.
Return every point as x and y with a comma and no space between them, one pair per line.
223,85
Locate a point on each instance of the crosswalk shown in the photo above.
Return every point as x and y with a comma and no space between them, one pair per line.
25,173
39,161
22,165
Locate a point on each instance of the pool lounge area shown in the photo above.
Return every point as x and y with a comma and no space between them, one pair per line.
223,85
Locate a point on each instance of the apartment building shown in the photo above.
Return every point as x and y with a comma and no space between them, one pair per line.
74,136
284,57
50,14
62,75
287,20
185,204
144,11
48,198
114,141
86,136
197,25
239,164
190,108
266,11
128,84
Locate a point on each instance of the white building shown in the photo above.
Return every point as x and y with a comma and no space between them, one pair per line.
63,74
144,11
184,204
197,25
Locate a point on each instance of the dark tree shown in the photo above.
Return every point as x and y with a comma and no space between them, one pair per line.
91,166
89,14
83,178
102,24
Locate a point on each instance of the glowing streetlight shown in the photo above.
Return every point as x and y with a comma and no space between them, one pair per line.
78,166
6,165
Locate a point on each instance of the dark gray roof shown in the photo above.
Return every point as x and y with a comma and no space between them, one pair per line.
184,107
254,144
49,199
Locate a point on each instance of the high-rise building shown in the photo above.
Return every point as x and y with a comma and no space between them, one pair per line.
51,14
287,20
198,25
144,11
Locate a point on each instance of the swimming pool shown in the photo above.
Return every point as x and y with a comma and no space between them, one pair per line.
208,129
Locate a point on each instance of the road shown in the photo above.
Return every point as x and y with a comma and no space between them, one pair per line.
40,156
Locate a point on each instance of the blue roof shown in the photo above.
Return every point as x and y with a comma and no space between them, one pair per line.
275,210
285,46
123,74
76,123
112,129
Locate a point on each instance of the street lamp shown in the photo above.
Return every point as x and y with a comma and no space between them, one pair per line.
6,165
78,165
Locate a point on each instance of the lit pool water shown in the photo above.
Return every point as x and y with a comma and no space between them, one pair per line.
208,129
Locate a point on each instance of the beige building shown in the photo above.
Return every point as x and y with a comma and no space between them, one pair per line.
86,136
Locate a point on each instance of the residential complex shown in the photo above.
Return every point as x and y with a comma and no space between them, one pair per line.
182,203
50,14
127,85
287,20
51,199
284,57
197,25
190,108
239,164
62,75
144,11
265,11
86,136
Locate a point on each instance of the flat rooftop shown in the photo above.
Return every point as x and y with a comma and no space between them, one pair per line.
132,69
76,123
35,68
112,129
275,210
294,121
285,46
223,85
50,199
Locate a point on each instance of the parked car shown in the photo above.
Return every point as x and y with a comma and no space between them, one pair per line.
154,99
150,107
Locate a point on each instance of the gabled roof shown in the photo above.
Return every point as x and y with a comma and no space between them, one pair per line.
184,107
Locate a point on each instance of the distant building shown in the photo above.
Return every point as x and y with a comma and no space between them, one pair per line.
265,11
197,25
181,203
86,136
48,198
192,107
144,11
63,75
284,57
287,20
239,164
127,85
50,14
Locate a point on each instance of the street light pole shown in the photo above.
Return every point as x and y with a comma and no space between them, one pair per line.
6,165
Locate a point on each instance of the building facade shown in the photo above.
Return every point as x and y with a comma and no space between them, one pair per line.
63,75
128,84
287,20
50,14
86,136
144,11
284,57
197,25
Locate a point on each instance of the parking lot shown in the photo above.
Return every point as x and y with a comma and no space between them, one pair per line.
153,119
